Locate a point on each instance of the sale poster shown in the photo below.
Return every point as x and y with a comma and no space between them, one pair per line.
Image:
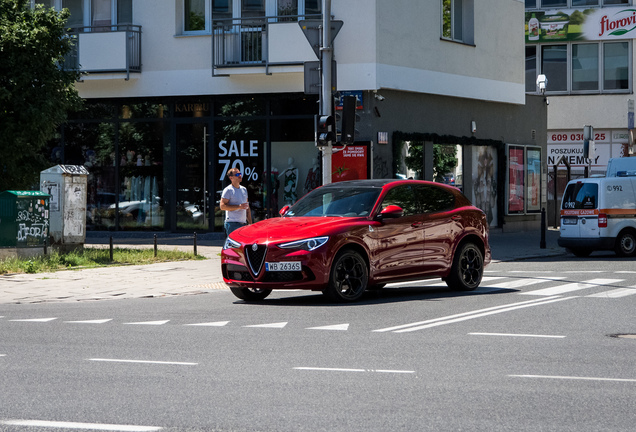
349,163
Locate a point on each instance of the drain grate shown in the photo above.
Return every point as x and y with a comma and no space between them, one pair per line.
624,336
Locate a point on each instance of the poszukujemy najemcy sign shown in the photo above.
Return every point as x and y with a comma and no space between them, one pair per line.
563,25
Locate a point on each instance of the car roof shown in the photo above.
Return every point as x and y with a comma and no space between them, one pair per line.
379,183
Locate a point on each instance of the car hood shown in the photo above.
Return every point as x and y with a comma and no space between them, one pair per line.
293,228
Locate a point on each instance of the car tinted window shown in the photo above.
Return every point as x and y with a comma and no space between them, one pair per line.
403,197
347,202
580,196
434,199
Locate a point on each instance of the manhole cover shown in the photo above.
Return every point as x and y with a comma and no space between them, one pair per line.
625,336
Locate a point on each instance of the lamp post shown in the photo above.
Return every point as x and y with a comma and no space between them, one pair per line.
326,94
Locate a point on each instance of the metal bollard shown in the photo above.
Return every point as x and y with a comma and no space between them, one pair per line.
543,228
46,249
195,244
111,248
155,245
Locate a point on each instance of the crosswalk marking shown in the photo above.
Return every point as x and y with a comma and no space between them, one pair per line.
42,320
148,323
519,283
272,325
210,324
340,327
576,286
620,292
99,321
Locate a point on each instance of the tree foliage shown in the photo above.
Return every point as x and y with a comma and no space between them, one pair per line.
444,159
35,92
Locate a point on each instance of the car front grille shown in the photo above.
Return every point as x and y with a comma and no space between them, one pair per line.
255,255
235,272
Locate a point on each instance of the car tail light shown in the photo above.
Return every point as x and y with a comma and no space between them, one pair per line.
602,220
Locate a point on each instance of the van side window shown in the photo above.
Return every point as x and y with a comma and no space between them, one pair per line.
580,196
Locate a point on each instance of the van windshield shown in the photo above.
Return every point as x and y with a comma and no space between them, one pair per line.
580,196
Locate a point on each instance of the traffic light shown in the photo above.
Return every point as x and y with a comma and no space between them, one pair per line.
348,119
325,130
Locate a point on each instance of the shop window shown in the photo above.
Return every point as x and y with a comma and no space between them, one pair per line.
485,174
585,67
457,20
524,180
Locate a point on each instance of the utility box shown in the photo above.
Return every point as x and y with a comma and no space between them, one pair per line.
67,185
24,223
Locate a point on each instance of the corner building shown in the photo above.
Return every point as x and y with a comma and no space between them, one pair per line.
179,91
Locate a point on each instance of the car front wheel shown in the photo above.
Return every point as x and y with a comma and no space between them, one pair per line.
348,277
251,294
626,244
467,268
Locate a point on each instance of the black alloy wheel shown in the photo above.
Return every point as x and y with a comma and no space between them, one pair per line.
348,277
467,268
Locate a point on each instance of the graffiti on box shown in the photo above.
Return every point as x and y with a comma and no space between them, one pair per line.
33,222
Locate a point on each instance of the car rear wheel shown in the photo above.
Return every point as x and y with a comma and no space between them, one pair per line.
626,244
348,277
467,268
251,294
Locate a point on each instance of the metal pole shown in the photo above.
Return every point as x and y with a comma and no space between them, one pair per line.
195,244
326,95
155,245
111,248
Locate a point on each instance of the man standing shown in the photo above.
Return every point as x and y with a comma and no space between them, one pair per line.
234,202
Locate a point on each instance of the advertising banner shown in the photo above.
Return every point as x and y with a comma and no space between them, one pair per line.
516,186
564,25
350,163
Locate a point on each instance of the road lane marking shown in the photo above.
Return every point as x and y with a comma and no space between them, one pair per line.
508,309
74,425
620,292
354,370
210,324
517,335
272,325
557,377
101,321
341,327
519,283
143,361
562,289
428,282
403,326
148,323
34,320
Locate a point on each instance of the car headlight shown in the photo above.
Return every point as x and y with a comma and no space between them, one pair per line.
306,244
231,244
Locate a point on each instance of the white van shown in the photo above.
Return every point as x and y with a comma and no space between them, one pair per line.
599,214
621,167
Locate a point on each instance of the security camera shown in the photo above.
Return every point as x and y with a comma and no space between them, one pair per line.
542,83
379,97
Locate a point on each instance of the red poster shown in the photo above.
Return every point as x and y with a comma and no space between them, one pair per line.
350,163
516,180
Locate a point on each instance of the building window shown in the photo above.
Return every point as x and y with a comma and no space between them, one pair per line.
595,67
534,4
457,20
194,16
89,13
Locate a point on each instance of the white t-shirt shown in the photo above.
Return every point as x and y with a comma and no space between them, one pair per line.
236,196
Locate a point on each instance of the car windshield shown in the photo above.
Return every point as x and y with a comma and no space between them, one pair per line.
345,201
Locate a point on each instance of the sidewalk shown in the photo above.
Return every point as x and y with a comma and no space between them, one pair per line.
192,277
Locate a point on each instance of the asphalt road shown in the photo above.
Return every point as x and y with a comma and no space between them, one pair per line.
531,350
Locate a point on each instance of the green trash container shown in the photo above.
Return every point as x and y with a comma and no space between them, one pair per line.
24,219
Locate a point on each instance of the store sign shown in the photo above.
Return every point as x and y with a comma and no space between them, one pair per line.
608,23
570,144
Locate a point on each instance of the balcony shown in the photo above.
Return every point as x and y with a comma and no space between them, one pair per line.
105,49
261,42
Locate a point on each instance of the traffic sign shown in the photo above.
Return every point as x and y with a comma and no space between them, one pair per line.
313,31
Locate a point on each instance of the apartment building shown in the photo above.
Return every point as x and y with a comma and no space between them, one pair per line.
585,49
179,91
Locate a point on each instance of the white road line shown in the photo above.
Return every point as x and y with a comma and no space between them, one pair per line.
73,425
355,370
143,361
210,324
101,321
620,292
516,335
577,286
388,329
436,282
341,327
272,325
148,323
34,320
452,321
518,283
3,355
573,378
531,271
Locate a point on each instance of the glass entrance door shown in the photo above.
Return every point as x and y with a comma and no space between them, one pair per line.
192,189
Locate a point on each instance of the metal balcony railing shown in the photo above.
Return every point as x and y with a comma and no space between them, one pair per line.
245,42
103,49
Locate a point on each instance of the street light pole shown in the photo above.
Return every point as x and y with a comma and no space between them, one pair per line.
326,95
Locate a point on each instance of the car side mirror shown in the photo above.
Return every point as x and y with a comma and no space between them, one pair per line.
283,210
391,212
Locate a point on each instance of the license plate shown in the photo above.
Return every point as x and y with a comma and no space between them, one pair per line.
570,221
283,266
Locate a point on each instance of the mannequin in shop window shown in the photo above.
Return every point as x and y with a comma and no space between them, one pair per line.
313,176
290,181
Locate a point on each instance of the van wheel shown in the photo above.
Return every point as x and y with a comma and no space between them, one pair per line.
626,244
581,253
